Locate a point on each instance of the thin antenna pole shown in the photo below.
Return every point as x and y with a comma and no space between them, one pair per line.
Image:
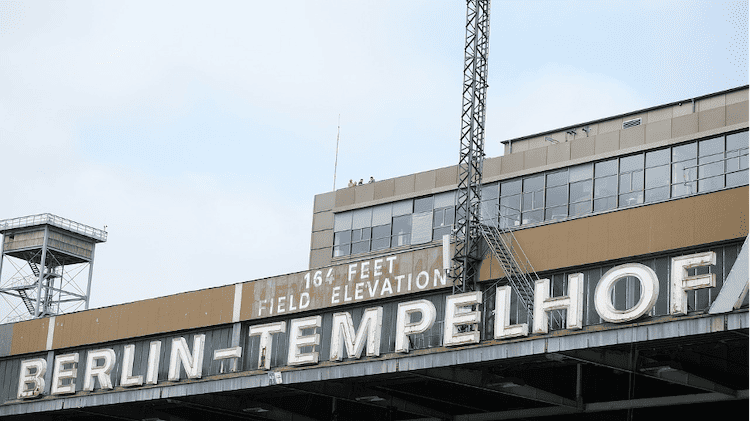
336,163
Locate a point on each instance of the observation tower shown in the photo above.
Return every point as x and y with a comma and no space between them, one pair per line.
46,265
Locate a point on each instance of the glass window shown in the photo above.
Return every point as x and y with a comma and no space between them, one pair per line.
342,243
532,205
490,191
657,176
446,199
442,222
508,188
403,207
361,240
631,163
557,196
581,172
655,158
711,164
343,237
381,215
342,221
737,159
605,168
423,204
381,237
401,234
558,178
362,218
580,191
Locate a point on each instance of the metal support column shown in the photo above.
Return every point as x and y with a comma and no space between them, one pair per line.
39,307
91,272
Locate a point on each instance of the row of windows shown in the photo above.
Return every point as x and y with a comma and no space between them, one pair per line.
412,221
672,172
653,176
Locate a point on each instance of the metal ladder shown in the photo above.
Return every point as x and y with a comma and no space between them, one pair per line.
519,272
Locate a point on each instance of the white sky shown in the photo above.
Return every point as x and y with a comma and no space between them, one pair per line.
199,132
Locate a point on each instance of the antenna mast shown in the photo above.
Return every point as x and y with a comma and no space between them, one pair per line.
336,163
467,235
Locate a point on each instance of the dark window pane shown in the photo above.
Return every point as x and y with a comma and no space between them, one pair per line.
580,191
684,189
631,163
710,184
683,152
532,217
558,212
533,183
658,194
343,237
737,179
557,196
581,172
341,250
366,233
361,247
606,186
580,208
510,187
381,231
657,176
402,224
605,204
711,146
381,243
557,178
449,215
684,171
605,168
356,235
654,158
423,204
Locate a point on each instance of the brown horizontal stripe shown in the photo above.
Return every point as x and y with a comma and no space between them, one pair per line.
164,314
29,336
655,228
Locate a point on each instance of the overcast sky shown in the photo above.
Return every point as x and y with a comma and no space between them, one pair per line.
199,132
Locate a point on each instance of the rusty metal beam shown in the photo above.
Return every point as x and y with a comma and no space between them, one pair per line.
671,373
368,396
490,382
599,407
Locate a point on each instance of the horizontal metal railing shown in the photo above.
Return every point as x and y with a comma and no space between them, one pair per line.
54,220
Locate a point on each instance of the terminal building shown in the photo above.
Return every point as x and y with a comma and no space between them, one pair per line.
633,232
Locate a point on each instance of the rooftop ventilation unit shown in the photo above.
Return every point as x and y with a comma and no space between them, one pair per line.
631,123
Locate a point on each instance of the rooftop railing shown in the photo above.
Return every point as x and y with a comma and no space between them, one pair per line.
54,220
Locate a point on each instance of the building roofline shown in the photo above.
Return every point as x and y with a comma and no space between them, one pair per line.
566,128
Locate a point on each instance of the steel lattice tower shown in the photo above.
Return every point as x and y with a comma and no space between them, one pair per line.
48,257
467,237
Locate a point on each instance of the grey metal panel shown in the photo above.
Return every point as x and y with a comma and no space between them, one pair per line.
736,284
342,221
6,338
